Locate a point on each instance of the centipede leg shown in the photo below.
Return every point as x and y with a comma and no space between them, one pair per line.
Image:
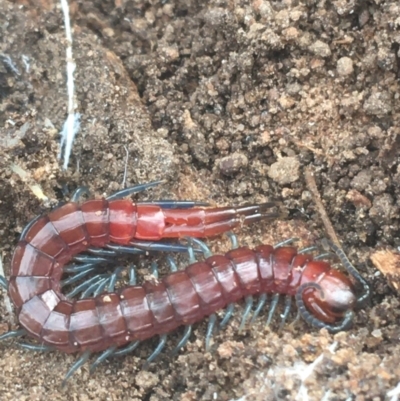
113,279
106,253
274,304
139,247
79,192
286,242
87,259
101,287
95,286
203,247
80,362
130,348
190,251
286,311
173,204
233,238
28,227
3,282
210,329
107,353
83,286
133,190
158,350
308,249
76,277
12,334
260,305
183,341
249,304
132,276
75,268
172,265
228,314
325,255
296,319
36,348
154,269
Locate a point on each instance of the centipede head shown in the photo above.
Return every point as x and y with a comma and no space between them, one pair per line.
332,298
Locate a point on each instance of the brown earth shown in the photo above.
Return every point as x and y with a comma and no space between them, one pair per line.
234,99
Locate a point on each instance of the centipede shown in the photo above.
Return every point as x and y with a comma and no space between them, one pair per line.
115,321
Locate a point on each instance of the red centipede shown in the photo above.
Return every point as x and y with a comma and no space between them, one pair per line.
324,296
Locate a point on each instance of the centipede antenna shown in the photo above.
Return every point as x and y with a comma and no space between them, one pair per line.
233,238
183,341
79,192
158,350
366,292
172,265
173,204
204,248
154,270
133,190
308,249
210,329
3,282
344,324
286,311
132,276
36,348
107,353
79,362
113,279
76,277
260,305
248,306
28,226
12,334
272,308
130,348
228,314
286,242
82,287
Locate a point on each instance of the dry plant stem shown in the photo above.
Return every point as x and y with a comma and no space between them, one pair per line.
312,187
71,125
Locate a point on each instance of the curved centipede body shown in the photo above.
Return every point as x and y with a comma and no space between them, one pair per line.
325,297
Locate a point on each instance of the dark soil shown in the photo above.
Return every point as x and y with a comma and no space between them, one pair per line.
228,101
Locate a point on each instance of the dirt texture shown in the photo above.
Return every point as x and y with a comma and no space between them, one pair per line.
228,101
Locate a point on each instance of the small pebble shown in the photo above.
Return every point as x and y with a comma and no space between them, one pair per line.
320,49
345,66
233,163
285,170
